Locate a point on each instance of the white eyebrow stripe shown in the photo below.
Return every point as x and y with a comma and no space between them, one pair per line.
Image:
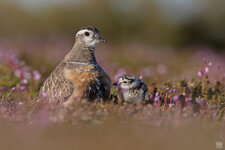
82,32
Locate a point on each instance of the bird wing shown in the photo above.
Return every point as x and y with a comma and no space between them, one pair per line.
106,83
56,86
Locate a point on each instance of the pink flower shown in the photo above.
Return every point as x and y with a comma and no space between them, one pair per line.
44,94
156,99
176,98
37,75
141,77
13,89
24,81
171,105
207,69
4,88
200,74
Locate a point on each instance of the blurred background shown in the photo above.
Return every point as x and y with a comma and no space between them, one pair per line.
174,22
158,34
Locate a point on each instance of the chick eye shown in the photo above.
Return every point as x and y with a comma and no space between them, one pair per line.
125,82
86,33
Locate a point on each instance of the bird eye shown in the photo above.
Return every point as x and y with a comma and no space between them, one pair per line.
125,82
86,33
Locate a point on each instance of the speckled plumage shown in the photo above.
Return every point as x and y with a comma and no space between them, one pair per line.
131,89
78,76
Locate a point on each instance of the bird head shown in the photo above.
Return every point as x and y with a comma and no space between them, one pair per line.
90,36
127,82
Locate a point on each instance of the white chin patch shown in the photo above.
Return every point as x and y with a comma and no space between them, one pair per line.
90,41
124,86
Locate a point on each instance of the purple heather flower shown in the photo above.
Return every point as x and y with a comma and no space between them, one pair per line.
37,75
188,99
171,105
4,88
210,64
13,89
24,81
156,99
22,88
176,98
200,74
44,94
141,77
207,69
199,100
151,96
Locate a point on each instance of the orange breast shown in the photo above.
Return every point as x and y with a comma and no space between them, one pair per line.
85,76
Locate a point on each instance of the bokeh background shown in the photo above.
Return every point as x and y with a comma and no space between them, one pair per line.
174,22
146,37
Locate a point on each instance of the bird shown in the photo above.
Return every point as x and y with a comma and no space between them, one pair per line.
78,76
132,89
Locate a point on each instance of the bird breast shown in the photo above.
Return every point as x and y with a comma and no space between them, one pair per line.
80,76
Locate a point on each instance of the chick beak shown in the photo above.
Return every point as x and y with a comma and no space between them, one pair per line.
115,84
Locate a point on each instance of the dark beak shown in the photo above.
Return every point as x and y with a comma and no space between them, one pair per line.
97,36
115,84
102,40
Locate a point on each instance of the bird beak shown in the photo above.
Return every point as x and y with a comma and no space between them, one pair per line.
115,84
102,40
97,36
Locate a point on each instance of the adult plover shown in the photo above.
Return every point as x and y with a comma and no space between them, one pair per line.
78,76
131,89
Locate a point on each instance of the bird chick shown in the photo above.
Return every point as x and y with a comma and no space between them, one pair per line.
131,89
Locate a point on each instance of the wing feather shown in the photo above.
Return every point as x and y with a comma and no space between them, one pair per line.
57,87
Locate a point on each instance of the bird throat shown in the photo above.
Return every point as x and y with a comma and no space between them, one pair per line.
81,55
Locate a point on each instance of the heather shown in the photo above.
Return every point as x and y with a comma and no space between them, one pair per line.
186,91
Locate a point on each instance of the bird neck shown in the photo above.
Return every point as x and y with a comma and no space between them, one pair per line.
81,53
